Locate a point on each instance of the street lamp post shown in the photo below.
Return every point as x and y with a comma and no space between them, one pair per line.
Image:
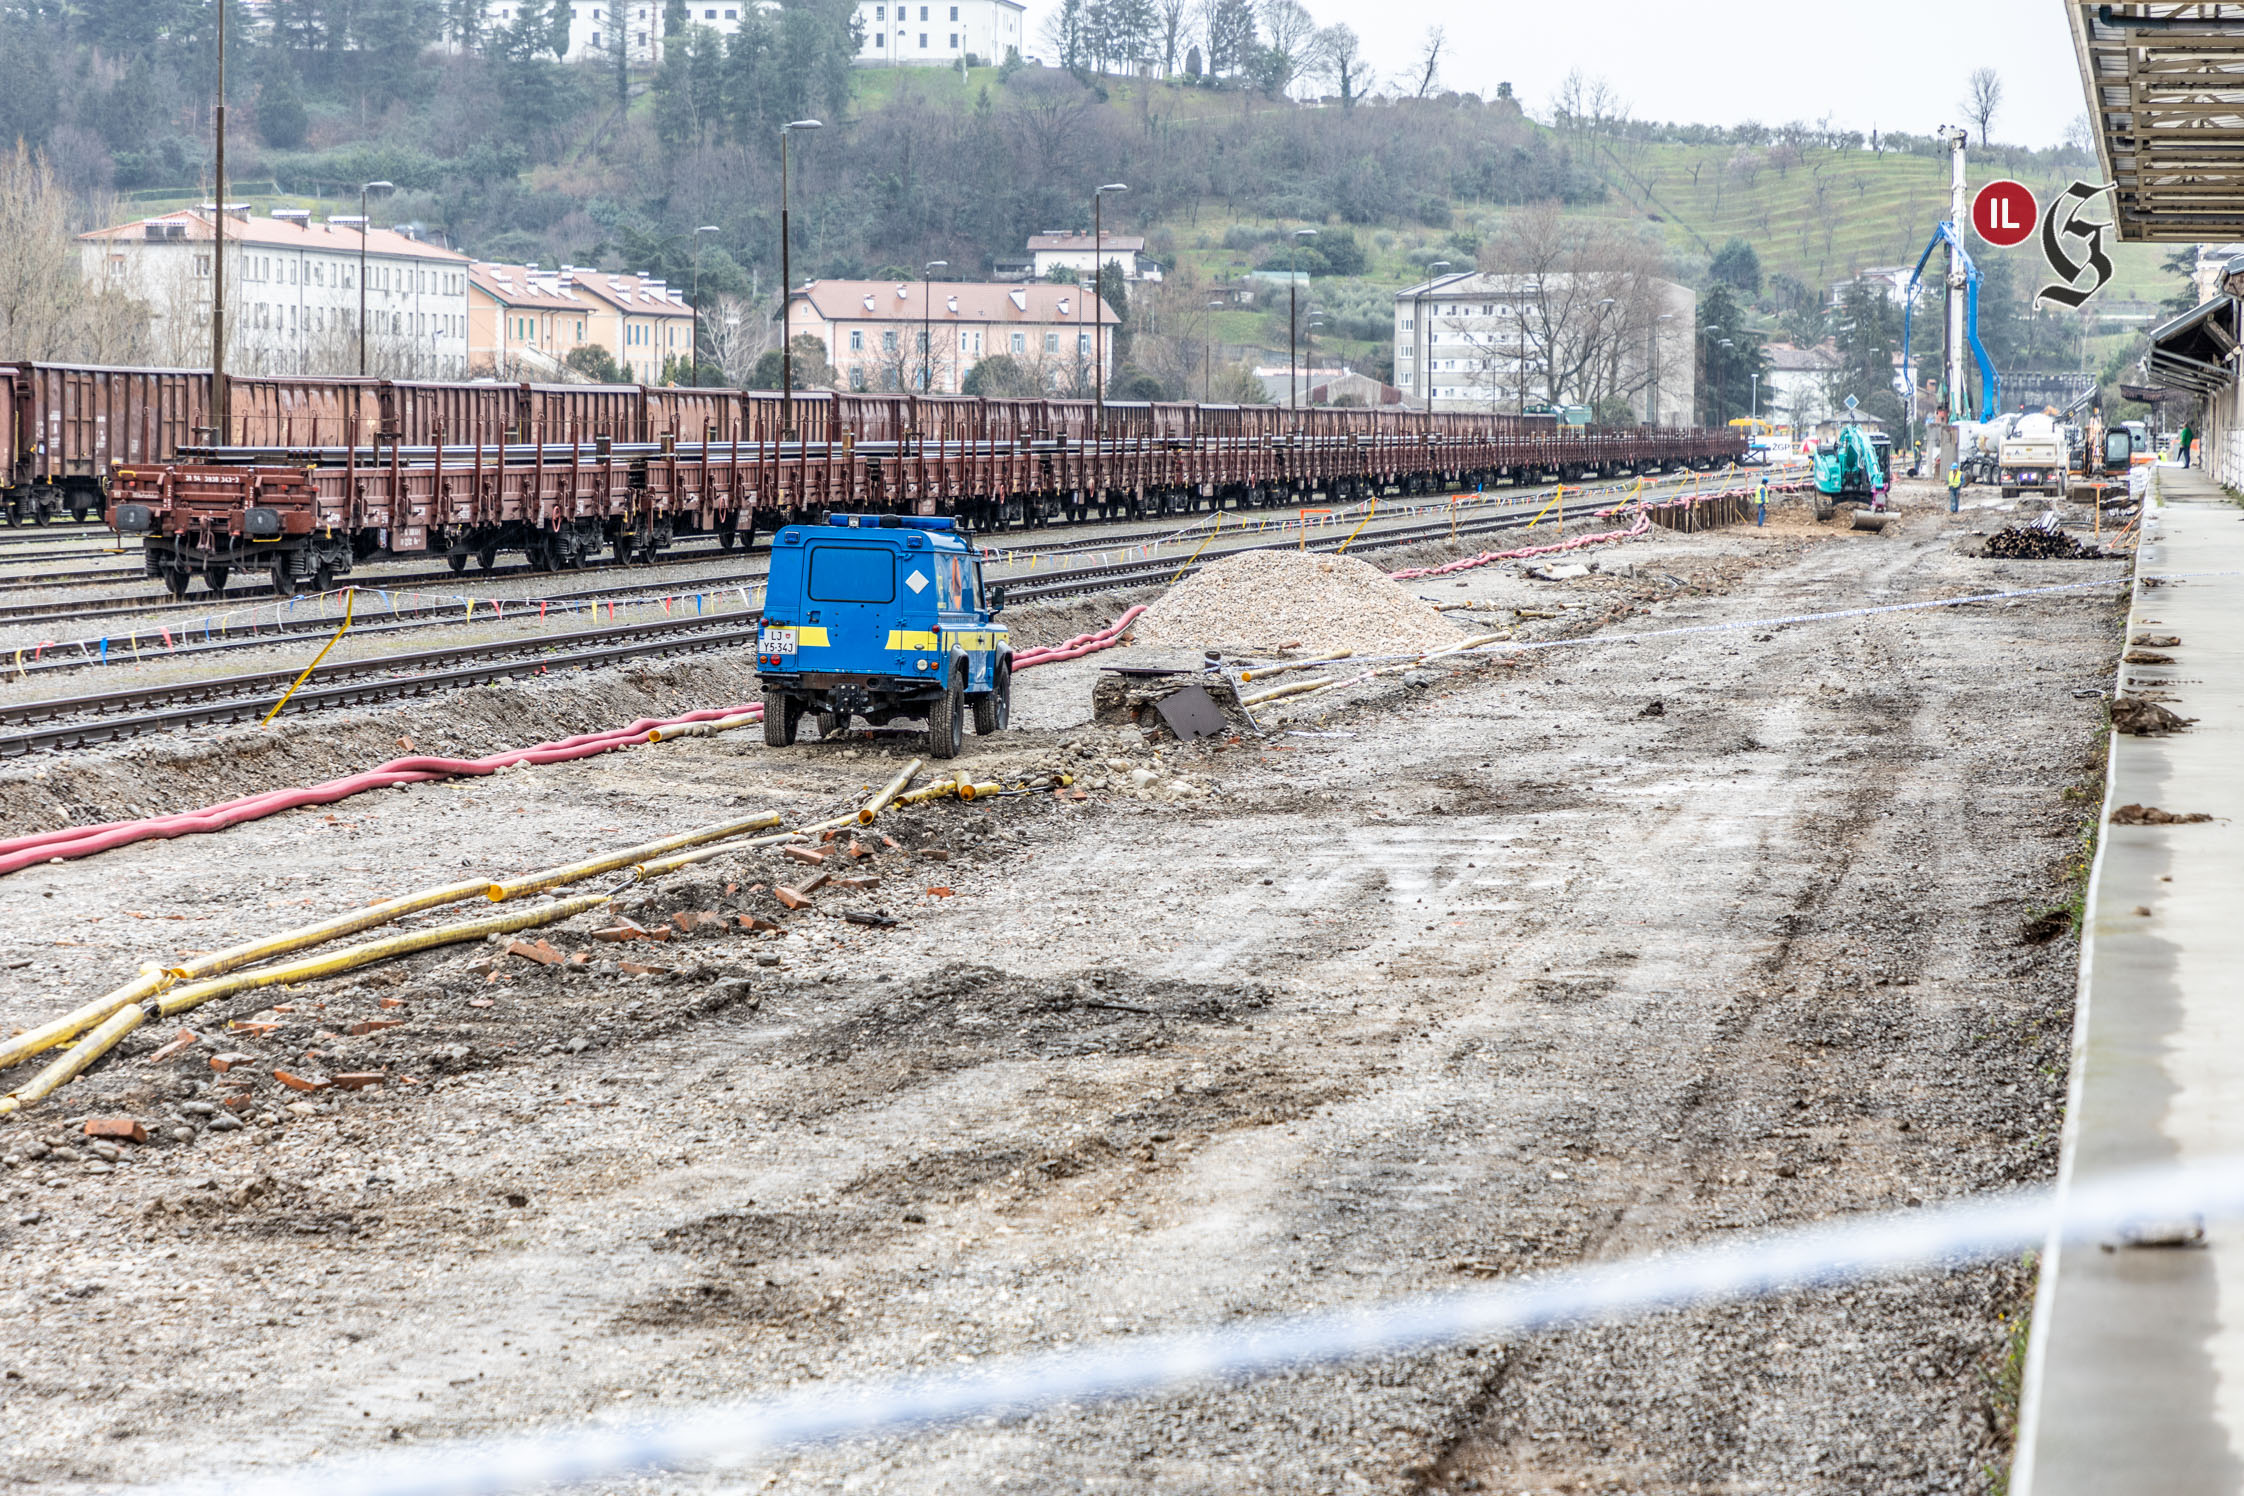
1098,303
708,228
1425,337
1207,351
1293,316
787,289
365,230
1652,367
927,324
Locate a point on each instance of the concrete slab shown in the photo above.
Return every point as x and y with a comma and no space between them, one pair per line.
2135,1377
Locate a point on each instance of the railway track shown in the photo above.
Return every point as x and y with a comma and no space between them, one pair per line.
111,715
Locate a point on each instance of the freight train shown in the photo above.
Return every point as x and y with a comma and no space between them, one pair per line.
314,475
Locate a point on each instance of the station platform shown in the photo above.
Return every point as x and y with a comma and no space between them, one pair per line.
2135,1372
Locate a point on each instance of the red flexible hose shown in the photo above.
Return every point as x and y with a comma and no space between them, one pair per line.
20,852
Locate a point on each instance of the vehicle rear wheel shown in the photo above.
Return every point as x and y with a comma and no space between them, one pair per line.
782,714
946,720
994,711
832,725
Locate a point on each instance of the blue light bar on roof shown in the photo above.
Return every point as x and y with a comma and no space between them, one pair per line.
891,522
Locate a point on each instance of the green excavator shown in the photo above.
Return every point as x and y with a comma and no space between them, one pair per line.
1854,469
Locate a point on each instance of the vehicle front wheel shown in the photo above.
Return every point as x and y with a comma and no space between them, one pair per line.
782,714
994,711
946,721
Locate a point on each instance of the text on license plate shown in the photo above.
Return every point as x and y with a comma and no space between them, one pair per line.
776,642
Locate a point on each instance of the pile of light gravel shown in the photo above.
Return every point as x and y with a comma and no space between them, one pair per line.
1261,602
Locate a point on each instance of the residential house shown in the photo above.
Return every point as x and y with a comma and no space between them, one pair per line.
1796,391
640,320
899,335
1055,250
293,294
524,322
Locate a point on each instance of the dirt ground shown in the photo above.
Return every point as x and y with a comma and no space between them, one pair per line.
1456,975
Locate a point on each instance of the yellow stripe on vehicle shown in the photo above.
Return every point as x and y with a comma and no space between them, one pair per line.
913,639
811,639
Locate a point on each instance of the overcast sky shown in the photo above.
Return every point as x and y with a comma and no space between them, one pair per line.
1899,65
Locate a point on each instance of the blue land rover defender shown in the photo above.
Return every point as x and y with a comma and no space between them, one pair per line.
881,616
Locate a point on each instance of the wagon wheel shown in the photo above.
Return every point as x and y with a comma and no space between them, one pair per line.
488,557
456,561
175,580
215,578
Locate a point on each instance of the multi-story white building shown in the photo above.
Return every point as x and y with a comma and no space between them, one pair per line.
595,25
940,33
913,335
292,292
1488,342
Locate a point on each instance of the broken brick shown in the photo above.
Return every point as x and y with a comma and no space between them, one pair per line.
393,1002
116,1127
187,1039
543,954
693,919
750,922
299,1082
376,1025
940,893
859,849
225,1062
358,1079
867,881
891,843
259,1027
580,958
789,897
238,1103
804,854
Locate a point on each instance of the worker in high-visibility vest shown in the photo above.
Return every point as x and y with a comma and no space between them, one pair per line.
1955,487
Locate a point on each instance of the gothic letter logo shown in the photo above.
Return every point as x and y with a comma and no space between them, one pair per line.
2060,225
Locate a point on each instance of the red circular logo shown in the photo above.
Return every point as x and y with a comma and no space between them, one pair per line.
2004,214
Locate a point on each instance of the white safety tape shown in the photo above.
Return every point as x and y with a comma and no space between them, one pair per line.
2150,1205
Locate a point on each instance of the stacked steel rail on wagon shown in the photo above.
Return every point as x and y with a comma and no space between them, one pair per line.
314,474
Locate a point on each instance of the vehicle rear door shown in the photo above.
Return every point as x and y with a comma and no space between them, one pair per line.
849,602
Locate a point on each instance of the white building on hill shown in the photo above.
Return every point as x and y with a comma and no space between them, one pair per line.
292,293
940,33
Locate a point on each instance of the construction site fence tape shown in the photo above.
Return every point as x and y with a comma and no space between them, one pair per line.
2114,1212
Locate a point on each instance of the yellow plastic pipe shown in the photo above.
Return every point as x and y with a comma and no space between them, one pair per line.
194,994
629,856
154,981
976,791
671,864
703,729
62,1030
925,793
889,791
1293,665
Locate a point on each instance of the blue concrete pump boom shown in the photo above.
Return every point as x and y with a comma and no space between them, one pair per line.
1990,383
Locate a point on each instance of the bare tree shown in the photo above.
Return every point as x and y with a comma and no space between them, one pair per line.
1169,20
47,308
1573,309
739,332
1427,71
1982,98
1291,34
1340,61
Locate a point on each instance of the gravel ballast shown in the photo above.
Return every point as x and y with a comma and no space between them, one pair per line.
1266,602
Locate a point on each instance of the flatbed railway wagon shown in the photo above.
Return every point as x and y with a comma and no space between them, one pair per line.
306,515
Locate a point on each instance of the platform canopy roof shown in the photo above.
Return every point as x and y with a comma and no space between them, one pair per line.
2165,88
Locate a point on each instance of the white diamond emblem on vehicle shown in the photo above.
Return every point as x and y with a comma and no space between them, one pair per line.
917,581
